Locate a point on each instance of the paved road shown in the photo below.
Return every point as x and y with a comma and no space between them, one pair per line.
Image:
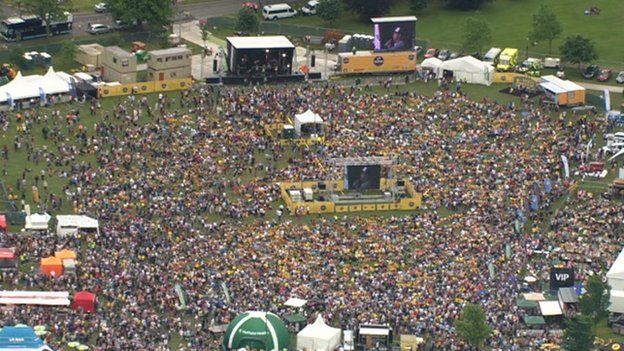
601,87
206,9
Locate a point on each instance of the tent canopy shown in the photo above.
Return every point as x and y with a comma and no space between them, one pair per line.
259,330
469,69
28,87
431,63
295,302
20,338
3,222
37,221
534,320
318,336
568,295
307,117
69,224
617,269
550,308
523,303
65,255
84,301
296,318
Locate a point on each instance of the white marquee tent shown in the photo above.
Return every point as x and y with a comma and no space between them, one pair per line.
615,279
37,221
307,117
70,224
467,69
431,63
318,336
35,86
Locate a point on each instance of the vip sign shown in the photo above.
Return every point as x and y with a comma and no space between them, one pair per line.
561,277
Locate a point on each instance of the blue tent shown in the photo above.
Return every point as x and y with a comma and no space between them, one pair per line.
22,339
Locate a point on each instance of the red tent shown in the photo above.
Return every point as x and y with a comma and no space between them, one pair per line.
7,258
84,301
3,223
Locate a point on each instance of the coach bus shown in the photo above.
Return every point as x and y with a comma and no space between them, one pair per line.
30,27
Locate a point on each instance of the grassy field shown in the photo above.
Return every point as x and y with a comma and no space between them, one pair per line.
510,21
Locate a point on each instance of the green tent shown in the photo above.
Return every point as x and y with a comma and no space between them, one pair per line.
522,303
534,320
256,330
296,318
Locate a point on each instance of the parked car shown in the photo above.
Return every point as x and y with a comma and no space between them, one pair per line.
98,28
604,75
454,55
444,54
119,24
431,52
251,5
273,12
309,8
591,71
100,7
620,78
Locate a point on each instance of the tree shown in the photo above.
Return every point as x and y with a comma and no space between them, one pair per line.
546,26
579,50
48,10
368,9
472,327
579,334
329,10
247,21
65,57
477,35
595,301
418,5
156,13
466,4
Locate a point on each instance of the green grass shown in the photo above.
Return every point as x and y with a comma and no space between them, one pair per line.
510,21
604,332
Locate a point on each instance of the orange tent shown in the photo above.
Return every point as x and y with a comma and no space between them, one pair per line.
52,266
65,255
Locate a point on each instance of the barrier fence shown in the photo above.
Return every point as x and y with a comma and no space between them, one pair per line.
412,202
145,87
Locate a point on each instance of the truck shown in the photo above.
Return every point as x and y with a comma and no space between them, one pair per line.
507,60
492,56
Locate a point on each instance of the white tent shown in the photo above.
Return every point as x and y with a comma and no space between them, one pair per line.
467,69
28,87
550,308
615,279
318,336
307,117
431,63
70,224
295,302
37,221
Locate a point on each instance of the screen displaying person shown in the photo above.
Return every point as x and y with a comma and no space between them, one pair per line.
395,43
364,181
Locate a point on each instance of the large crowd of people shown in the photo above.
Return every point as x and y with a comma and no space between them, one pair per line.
185,190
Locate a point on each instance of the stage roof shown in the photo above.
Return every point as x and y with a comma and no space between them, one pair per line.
272,42
393,19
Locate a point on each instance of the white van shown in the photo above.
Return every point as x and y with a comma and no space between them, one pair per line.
492,55
309,9
273,12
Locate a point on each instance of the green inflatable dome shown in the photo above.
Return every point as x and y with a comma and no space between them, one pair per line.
256,330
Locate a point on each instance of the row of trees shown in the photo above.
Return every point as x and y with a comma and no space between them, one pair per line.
155,12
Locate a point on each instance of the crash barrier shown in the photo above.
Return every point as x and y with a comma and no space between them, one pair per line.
145,87
410,203
508,77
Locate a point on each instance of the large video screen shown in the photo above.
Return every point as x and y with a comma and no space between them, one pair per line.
394,36
362,177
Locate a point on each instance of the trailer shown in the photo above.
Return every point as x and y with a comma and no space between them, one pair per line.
376,62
